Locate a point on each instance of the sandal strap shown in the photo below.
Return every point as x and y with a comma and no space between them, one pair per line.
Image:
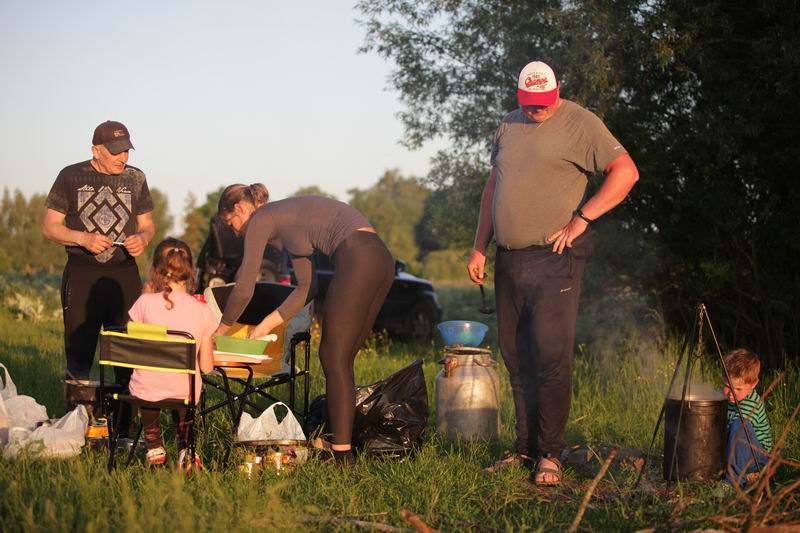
541,471
553,459
507,459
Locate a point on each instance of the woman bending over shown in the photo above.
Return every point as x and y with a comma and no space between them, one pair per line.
363,274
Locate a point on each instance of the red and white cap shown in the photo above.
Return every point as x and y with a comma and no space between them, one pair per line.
537,85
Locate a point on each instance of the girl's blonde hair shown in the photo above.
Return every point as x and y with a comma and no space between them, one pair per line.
172,262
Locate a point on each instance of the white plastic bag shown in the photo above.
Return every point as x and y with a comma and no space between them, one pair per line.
62,439
8,388
5,418
266,426
17,410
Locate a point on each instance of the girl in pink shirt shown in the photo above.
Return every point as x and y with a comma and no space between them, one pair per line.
171,304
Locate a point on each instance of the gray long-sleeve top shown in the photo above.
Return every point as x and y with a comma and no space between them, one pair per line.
299,225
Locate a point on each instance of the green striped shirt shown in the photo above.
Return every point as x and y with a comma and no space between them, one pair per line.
753,410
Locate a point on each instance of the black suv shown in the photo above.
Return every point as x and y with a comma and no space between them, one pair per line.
411,310
221,256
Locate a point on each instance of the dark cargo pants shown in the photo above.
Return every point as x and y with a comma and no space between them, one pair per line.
537,294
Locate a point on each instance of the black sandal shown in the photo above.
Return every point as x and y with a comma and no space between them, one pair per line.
342,458
508,459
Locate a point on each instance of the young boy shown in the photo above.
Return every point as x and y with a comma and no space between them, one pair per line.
744,367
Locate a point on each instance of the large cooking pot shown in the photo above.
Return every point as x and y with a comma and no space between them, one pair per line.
698,444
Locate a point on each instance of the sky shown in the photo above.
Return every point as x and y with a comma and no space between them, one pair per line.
212,92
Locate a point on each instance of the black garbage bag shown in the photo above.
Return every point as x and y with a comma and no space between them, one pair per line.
391,414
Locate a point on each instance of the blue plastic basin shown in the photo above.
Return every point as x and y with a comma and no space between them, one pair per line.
464,332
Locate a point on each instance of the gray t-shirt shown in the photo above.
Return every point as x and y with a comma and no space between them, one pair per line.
299,225
542,169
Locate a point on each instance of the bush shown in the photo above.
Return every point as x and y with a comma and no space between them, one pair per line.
32,297
445,265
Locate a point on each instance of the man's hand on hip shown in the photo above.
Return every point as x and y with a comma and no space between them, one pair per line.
563,238
476,266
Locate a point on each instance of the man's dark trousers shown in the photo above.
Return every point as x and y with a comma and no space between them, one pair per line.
537,294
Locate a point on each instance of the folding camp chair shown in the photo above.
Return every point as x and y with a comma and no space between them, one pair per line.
256,380
149,347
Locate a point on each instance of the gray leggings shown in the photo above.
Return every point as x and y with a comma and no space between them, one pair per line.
363,274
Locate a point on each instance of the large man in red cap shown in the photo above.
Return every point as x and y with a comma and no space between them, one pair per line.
102,212
535,205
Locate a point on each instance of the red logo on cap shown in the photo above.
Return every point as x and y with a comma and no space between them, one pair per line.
535,80
119,133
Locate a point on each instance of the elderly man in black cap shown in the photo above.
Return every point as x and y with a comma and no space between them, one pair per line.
102,213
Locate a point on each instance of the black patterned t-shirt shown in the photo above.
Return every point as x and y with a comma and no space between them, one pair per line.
101,203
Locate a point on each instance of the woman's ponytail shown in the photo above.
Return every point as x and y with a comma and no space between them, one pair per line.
257,194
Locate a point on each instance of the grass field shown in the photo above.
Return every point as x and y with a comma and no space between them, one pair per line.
619,382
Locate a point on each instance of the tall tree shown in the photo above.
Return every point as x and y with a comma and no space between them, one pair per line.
163,222
196,219
721,145
22,246
394,207
313,189
195,226
457,64
701,94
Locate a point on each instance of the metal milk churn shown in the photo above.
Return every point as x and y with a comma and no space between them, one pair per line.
468,394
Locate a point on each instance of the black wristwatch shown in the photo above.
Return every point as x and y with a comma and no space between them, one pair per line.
582,216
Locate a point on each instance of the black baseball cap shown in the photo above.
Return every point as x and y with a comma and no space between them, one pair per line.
113,135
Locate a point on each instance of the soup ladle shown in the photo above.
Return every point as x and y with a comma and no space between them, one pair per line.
484,309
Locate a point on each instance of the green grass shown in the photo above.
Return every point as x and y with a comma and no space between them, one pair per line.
619,382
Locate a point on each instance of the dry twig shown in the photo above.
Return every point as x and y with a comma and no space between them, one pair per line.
592,486
772,467
417,522
766,511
